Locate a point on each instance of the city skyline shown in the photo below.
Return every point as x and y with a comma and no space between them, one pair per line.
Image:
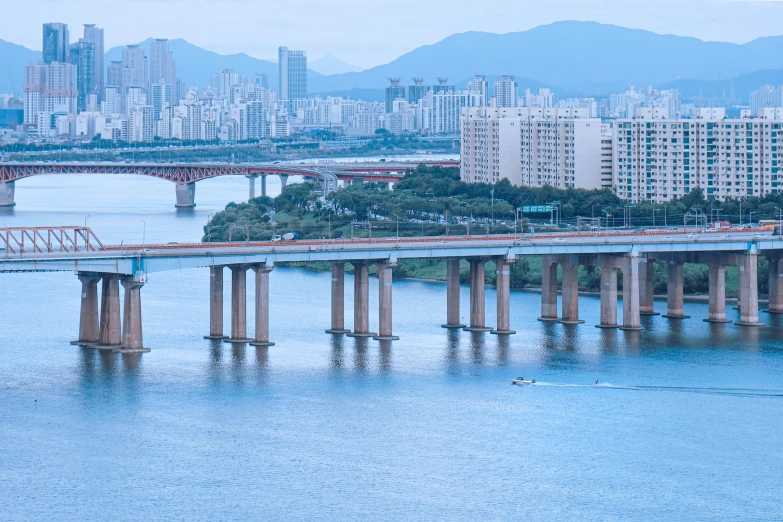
352,36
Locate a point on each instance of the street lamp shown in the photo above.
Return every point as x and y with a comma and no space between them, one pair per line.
144,234
85,220
654,211
751,218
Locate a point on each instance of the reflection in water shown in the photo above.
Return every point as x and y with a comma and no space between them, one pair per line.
477,347
385,353
131,362
452,350
607,340
360,354
337,361
569,340
238,362
633,341
503,349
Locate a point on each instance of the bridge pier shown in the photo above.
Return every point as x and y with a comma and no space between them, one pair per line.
131,325
749,290
338,299
7,190
503,276
570,299
238,305
252,186
775,284
89,321
283,181
477,285
263,185
385,302
361,301
646,286
186,195
608,293
262,305
674,290
452,294
215,303
110,333
717,282
631,317
548,289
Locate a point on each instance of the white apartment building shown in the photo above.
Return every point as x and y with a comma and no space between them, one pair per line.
506,92
50,89
531,147
141,124
656,158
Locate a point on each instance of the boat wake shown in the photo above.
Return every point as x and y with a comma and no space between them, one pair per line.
738,392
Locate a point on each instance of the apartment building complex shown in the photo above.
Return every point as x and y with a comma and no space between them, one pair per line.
656,158
531,146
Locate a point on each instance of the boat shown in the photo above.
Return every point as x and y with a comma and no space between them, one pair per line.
520,381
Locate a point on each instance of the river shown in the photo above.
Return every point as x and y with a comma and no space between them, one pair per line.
685,423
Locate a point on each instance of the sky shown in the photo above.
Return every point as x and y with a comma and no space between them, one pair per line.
372,32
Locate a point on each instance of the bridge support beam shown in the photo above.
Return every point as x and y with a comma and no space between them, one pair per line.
674,290
646,287
283,181
338,299
7,194
262,305
477,300
608,293
215,303
503,275
385,302
749,290
186,195
263,185
548,289
132,340
570,299
631,318
775,284
252,186
717,282
238,305
361,301
89,320
452,294
110,333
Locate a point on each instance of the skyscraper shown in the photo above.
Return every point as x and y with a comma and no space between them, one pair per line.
479,86
506,92
135,72
94,35
293,76
395,91
417,91
163,69
82,55
55,43
114,75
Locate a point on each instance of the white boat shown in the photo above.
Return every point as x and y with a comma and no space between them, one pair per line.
520,381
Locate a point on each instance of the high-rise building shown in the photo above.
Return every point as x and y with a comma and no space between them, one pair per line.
82,55
257,123
479,85
163,68
161,98
226,81
135,72
293,76
417,91
55,43
49,89
114,75
765,96
94,35
506,92
141,124
531,147
394,91
443,86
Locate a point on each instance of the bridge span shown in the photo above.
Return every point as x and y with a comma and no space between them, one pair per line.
185,175
106,324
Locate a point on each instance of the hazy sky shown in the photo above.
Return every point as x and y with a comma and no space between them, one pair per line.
370,32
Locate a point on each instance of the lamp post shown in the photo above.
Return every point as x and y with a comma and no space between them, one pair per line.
751,218
654,211
143,234
85,220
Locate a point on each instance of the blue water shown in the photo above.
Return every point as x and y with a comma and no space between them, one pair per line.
685,424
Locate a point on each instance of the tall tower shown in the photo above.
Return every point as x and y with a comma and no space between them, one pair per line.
293,76
506,92
417,91
94,35
163,68
82,55
55,43
395,91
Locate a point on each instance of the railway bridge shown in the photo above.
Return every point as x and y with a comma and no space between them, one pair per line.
185,175
106,324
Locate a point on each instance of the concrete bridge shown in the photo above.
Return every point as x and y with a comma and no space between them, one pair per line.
186,175
108,325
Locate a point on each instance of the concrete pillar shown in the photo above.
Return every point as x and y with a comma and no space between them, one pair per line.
283,181
646,286
262,306
361,301
452,294
631,318
251,178
749,293
110,333
131,318
775,285
89,330
238,305
7,194
674,291
215,303
570,301
608,293
477,301
338,299
385,303
548,289
186,195
503,276
717,280
263,185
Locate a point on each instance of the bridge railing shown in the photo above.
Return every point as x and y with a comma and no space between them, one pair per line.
20,240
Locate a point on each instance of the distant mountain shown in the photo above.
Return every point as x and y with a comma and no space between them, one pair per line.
738,88
13,58
577,57
196,65
330,64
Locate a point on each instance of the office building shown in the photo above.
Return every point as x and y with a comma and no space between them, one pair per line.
55,43
394,91
292,76
94,35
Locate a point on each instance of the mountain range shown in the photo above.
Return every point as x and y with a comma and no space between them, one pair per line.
572,58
